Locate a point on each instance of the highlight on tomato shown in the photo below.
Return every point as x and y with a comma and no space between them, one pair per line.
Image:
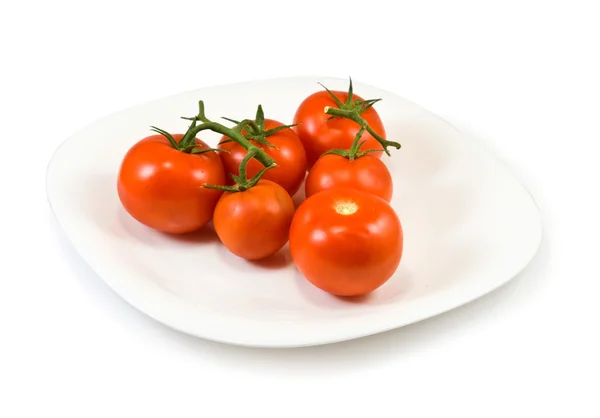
252,218
160,178
346,242
328,120
277,140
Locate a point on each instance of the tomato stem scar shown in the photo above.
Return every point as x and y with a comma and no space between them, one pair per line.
346,207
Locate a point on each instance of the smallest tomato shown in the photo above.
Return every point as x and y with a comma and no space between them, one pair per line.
254,223
366,173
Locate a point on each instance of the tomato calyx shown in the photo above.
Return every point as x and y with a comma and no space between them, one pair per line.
254,130
242,182
351,104
354,151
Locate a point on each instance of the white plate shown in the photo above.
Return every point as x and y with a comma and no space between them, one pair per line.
469,227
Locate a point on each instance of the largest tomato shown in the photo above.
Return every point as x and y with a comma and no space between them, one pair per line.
161,186
320,132
345,241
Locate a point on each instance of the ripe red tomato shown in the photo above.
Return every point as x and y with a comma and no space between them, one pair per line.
254,223
161,187
366,173
287,151
346,242
320,133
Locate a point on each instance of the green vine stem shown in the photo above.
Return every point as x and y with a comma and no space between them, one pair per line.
242,182
233,133
255,129
185,144
355,116
188,142
352,109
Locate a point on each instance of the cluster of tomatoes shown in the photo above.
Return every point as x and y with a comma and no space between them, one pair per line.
344,238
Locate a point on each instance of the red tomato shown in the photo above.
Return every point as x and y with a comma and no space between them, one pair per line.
346,242
319,133
366,173
287,151
161,187
255,223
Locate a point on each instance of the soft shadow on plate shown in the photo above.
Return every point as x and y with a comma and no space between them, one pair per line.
393,290
337,357
141,233
94,206
281,259
204,235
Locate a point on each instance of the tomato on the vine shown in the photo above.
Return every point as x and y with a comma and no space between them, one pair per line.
254,223
346,242
278,141
160,182
321,132
366,173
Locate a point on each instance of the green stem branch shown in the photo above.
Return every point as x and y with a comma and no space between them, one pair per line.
242,182
354,116
244,163
234,134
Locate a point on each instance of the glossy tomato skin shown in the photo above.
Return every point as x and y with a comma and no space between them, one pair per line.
255,223
318,134
161,187
346,242
288,154
366,173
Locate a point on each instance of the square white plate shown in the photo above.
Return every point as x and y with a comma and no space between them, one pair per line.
469,226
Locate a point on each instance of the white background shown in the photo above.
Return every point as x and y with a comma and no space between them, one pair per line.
523,75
